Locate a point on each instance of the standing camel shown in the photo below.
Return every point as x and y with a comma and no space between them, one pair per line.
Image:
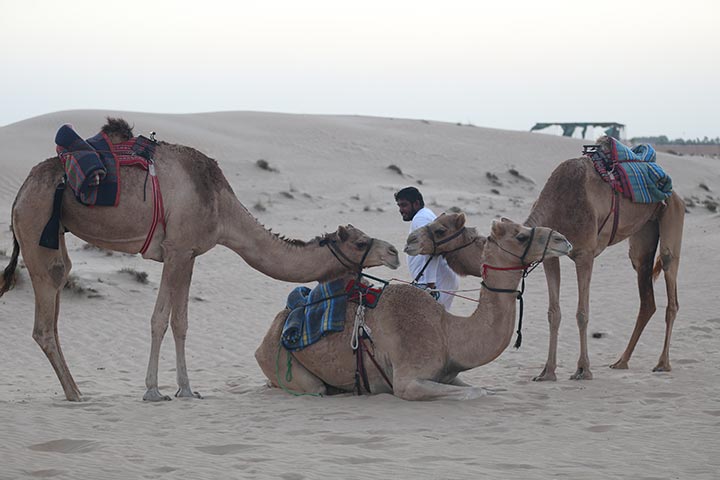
418,346
201,211
576,202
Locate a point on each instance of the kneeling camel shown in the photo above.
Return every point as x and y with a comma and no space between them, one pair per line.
419,346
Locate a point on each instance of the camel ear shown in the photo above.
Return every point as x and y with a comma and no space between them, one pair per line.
506,220
460,221
343,234
498,227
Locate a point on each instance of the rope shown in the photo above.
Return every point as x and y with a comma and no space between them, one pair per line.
288,375
449,292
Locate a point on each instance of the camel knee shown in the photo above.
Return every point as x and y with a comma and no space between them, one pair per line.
666,258
554,315
158,329
58,275
43,337
582,319
179,328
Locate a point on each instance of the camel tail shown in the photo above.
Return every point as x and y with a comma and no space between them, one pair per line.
658,268
8,277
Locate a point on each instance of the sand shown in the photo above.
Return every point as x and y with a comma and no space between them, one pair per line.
333,170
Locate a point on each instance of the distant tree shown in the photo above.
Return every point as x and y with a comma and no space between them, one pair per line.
664,140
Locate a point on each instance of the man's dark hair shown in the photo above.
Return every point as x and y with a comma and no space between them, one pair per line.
411,194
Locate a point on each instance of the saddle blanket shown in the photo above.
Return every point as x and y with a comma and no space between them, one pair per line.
314,314
633,172
92,166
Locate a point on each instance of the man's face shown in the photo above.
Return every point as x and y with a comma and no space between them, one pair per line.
407,209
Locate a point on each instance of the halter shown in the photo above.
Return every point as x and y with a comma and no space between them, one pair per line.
340,256
436,244
526,269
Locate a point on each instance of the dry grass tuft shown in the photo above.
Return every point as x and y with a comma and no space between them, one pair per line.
140,277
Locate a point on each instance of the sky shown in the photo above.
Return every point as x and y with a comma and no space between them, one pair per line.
653,65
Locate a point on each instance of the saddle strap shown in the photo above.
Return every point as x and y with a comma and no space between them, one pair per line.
158,209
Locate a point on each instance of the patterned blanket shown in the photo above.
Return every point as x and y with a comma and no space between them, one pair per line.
314,313
632,171
92,166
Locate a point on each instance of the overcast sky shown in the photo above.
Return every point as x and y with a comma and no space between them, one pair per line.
653,65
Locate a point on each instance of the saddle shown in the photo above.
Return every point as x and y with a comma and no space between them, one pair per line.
92,166
632,172
92,171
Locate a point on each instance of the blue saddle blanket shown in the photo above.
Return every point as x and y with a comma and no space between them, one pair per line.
639,177
314,314
91,168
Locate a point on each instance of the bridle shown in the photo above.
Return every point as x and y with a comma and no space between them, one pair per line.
343,259
437,243
526,269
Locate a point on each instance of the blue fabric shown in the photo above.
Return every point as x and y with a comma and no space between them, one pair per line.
90,167
642,179
314,313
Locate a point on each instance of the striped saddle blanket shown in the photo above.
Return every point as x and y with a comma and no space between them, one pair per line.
630,171
314,313
92,166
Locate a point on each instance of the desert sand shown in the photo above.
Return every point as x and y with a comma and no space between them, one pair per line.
332,170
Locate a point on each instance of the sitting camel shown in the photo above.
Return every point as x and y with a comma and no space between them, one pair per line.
576,202
201,211
417,347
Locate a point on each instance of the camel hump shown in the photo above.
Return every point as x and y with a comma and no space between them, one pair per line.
118,130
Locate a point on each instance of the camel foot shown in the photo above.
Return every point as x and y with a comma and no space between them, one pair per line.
472,393
620,365
582,374
662,367
545,376
74,396
154,395
185,392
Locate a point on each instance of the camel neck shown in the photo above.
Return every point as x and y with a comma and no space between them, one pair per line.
480,338
270,254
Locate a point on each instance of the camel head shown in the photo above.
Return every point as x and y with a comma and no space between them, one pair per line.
354,248
445,234
521,245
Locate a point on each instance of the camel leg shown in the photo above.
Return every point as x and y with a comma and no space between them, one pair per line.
176,272
642,253
583,268
671,226
281,369
419,389
179,324
290,375
49,270
552,275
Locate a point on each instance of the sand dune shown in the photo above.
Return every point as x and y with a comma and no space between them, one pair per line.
318,172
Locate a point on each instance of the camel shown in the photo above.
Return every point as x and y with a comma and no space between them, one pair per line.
201,211
576,202
419,347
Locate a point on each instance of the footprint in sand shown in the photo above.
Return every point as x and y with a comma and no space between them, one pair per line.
49,473
226,449
600,428
66,445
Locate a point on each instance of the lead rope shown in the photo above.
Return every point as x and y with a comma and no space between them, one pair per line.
288,375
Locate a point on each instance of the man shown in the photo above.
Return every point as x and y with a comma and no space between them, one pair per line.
437,274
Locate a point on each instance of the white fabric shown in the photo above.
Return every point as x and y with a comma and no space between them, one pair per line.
437,271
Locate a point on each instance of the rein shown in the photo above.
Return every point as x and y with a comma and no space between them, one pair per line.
526,269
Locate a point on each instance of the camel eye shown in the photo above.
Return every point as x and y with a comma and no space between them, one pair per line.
361,245
440,232
522,237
